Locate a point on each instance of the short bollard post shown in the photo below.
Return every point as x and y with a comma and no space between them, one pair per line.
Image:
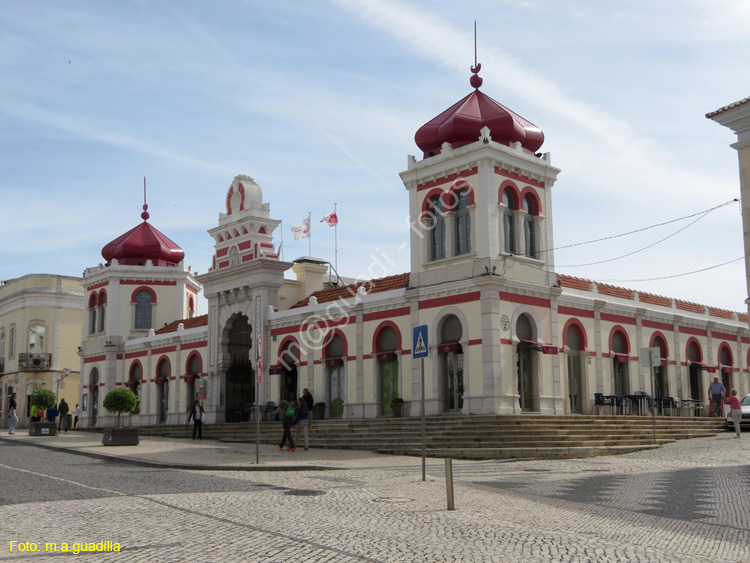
449,482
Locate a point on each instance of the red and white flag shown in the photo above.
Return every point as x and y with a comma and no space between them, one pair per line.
331,219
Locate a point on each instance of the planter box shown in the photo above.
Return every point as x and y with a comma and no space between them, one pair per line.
319,412
120,437
42,428
400,409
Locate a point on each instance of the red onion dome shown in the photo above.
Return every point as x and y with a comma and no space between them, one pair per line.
143,243
461,123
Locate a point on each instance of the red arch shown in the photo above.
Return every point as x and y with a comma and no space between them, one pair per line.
722,346
102,297
618,328
581,331
456,187
284,345
687,349
143,288
130,370
163,358
508,184
92,300
329,337
380,327
659,336
535,197
191,304
432,194
189,359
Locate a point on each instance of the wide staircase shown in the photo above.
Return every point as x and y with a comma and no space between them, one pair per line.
476,436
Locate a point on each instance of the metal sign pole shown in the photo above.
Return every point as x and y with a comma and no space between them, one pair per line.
653,391
424,424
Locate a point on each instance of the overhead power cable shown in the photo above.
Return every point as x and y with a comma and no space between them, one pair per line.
640,249
703,213
675,275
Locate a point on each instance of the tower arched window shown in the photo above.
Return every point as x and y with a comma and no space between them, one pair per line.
509,236
143,305
528,227
435,223
37,334
463,223
102,310
92,313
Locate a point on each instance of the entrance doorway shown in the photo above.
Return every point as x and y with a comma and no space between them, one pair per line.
240,376
452,364
573,341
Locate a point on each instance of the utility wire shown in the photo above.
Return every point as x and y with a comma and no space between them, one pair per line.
675,275
704,212
640,249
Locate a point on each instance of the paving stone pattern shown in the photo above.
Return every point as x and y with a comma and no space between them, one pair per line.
688,501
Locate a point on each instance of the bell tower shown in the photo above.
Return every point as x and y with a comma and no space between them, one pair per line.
480,199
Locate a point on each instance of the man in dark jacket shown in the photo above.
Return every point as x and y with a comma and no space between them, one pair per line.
286,420
64,410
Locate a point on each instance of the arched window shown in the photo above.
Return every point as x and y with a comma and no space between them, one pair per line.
2,344
143,300
102,310
435,222
193,376
191,307
135,378
92,313
509,236
463,222
574,342
36,339
234,256
528,227
12,342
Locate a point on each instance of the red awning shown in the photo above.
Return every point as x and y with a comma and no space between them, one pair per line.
447,347
334,361
706,367
385,356
275,370
620,357
538,346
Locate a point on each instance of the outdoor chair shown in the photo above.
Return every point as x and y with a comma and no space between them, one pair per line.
600,401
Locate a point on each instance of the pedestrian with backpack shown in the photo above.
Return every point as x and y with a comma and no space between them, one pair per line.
286,411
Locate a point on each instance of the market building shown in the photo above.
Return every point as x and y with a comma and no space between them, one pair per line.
506,333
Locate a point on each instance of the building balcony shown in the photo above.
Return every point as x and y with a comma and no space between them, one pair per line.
34,362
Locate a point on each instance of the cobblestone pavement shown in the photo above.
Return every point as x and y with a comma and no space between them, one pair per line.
688,501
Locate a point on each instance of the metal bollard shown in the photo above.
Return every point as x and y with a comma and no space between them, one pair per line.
449,482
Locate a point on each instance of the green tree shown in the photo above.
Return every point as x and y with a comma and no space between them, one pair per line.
120,400
43,399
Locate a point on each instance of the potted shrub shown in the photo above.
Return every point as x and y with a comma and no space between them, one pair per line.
319,411
43,399
120,400
337,408
397,406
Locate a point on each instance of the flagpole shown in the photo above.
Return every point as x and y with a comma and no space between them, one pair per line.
336,241
309,239
281,224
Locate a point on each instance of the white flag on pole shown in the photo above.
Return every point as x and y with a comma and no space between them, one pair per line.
302,229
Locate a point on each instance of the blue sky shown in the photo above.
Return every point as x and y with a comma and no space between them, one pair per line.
319,103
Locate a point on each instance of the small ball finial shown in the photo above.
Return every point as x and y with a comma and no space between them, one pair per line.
145,214
476,80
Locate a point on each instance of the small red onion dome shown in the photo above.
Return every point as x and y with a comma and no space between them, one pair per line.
143,243
461,124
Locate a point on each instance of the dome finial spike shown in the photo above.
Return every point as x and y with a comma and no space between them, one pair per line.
475,80
145,214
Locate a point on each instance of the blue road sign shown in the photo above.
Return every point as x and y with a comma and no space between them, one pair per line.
419,342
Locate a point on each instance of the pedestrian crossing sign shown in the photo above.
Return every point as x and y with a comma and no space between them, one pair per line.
419,342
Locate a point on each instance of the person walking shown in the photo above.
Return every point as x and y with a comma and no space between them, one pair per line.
308,398
64,410
716,391
736,411
76,414
52,414
286,411
196,413
12,414
303,421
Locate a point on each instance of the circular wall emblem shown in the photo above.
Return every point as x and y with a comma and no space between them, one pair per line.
504,322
